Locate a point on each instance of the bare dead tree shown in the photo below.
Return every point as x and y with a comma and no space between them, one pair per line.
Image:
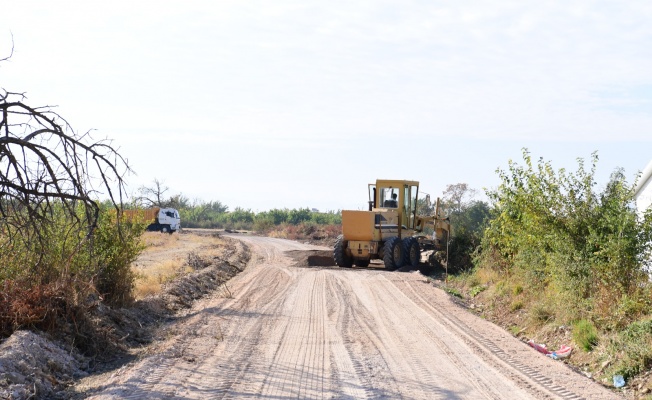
152,196
45,166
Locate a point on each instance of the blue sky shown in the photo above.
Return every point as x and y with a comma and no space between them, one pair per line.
300,104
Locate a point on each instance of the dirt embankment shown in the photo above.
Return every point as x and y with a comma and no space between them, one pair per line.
36,365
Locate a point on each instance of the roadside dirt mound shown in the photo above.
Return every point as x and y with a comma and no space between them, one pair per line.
33,366
312,258
211,272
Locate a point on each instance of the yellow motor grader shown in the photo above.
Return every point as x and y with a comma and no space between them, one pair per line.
391,230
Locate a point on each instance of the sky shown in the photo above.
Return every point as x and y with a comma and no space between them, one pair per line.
293,104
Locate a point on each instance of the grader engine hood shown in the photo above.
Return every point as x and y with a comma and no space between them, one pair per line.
369,225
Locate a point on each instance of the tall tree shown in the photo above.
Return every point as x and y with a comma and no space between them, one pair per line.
458,195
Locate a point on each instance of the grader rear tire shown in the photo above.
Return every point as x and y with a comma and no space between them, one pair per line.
393,254
411,251
339,253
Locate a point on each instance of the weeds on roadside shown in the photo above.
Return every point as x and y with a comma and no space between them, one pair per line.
634,344
476,290
585,334
59,278
453,291
516,305
565,252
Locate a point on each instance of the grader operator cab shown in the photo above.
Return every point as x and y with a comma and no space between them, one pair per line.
391,230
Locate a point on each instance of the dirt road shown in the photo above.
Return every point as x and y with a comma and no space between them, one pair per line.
282,332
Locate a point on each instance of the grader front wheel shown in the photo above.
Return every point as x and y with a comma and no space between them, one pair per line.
339,253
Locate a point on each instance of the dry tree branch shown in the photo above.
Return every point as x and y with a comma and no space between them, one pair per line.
46,166
11,53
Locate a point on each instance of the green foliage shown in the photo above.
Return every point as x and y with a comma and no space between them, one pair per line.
514,330
275,216
634,344
453,291
516,305
56,275
297,216
568,252
553,230
468,218
263,223
467,224
327,218
476,290
112,249
585,334
541,313
214,214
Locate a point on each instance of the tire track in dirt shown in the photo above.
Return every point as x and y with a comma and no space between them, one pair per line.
409,363
488,384
332,333
298,367
535,379
168,375
290,368
361,343
222,368
227,372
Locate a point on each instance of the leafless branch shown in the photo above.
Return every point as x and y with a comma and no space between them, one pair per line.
11,53
152,196
45,167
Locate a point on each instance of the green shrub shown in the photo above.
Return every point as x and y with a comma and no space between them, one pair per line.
516,305
263,223
476,290
553,230
541,313
633,345
113,248
55,275
453,291
585,334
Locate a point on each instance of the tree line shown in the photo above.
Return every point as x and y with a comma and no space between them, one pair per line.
215,214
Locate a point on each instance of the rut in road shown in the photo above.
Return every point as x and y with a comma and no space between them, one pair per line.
292,332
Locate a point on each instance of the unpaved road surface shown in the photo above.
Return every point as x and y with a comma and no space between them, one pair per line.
282,332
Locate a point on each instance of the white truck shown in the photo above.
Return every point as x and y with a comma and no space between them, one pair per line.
164,220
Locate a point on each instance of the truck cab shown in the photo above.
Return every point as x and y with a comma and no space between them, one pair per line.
167,221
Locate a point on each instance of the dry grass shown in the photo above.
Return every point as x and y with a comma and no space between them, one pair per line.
166,256
149,282
157,239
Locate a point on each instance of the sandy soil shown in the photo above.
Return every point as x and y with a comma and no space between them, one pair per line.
286,331
169,248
